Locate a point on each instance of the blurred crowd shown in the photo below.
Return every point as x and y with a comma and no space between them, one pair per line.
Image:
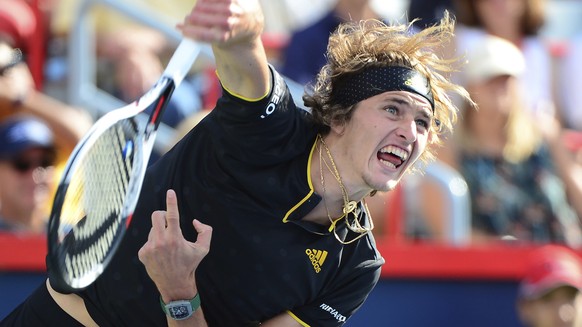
520,153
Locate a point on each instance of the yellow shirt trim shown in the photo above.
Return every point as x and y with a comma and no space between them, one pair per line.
243,97
309,182
297,319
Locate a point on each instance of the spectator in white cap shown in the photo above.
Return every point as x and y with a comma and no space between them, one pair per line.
27,156
522,180
549,294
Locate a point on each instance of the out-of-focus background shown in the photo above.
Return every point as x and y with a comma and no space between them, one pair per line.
457,243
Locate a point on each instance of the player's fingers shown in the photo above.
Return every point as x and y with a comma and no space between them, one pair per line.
151,234
212,7
210,19
209,15
208,22
203,34
158,225
172,213
204,234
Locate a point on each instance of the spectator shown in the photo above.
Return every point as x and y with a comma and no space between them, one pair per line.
18,95
522,179
305,53
67,124
21,26
27,156
570,85
518,21
17,23
428,12
549,294
573,141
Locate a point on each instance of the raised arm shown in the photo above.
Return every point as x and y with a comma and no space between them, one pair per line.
233,27
18,96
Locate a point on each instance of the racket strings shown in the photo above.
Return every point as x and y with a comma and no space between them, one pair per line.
93,206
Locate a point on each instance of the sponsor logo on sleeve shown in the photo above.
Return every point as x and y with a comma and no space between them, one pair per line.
339,317
275,98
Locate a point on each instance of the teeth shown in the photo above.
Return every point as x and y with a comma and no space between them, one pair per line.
387,163
395,151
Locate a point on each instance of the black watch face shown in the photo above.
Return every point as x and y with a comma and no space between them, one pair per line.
181,311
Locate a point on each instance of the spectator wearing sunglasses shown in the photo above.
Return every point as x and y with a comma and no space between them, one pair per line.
27,157
66,124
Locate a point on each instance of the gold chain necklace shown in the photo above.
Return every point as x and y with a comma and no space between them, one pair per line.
350,208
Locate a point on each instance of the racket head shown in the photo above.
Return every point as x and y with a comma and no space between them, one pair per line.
99,189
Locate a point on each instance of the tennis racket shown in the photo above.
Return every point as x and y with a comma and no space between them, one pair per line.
101,183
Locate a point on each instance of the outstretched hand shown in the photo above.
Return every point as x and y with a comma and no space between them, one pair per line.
224,22
171,260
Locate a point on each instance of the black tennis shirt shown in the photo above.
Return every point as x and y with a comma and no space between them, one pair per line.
244,170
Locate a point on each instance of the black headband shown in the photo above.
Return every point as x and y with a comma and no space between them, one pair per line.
354,88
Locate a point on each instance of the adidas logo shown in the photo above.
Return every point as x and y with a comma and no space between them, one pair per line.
317,257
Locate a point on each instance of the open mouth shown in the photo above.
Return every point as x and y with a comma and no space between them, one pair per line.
392,156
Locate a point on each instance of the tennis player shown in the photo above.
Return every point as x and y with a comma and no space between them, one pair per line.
258,213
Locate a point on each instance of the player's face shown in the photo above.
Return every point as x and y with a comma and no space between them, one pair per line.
497,14
561,307
386,134
495,96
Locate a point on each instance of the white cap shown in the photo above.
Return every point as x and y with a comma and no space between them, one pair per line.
493,56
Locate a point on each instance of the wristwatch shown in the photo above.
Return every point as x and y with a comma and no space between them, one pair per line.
180,310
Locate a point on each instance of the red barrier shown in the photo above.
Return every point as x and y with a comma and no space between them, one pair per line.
403,259
22,252
430,261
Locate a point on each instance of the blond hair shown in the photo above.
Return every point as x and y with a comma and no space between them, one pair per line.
523,138
356,46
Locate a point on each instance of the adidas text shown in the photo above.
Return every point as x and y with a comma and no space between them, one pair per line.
317,257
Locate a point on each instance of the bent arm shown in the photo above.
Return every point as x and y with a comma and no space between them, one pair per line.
568,169
69,124
18,96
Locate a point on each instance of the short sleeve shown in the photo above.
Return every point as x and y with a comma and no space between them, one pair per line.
338,303
270,130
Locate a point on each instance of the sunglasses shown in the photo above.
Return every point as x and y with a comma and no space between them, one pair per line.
22,165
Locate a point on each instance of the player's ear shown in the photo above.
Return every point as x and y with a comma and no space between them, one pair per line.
338,127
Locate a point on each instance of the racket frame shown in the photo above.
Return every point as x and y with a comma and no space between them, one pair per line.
158,96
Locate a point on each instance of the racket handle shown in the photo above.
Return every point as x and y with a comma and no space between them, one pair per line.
182,60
